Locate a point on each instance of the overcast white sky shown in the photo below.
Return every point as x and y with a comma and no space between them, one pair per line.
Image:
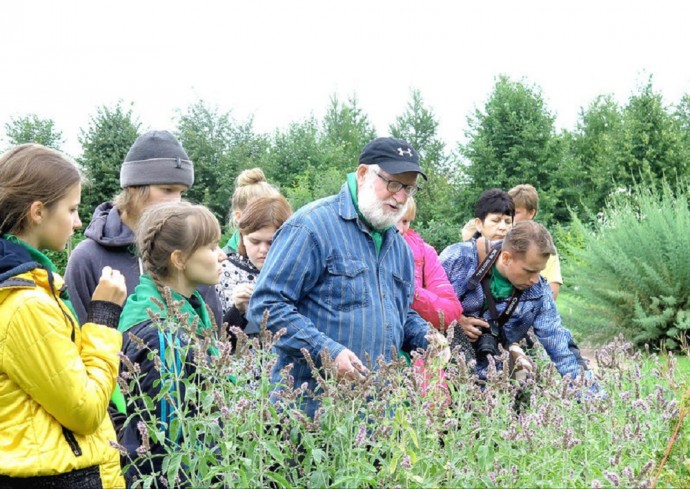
280,61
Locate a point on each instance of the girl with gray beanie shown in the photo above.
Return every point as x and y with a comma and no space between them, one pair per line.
156,169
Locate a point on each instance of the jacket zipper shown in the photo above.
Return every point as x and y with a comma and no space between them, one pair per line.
72,441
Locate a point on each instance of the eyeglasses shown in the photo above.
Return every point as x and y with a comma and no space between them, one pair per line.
394,186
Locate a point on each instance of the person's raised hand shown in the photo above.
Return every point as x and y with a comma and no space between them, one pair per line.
111,287
241,296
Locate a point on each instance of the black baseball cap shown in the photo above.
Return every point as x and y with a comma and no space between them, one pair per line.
392,155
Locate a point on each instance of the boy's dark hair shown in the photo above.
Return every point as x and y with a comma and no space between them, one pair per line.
494,201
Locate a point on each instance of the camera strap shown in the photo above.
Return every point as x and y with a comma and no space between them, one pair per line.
510,308
492,252
482,275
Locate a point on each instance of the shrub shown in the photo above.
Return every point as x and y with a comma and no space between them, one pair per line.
633,274
440,235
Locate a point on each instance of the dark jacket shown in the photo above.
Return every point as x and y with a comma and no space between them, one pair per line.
173,356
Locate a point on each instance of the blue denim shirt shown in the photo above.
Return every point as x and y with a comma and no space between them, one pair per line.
325,284
535,308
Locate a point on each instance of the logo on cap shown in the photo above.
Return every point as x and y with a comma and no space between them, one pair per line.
403,152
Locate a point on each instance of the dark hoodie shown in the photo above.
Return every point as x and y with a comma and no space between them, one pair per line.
110,242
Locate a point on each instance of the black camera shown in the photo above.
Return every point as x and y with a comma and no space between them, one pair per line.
487,344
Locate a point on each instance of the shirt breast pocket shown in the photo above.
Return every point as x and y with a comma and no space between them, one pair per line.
403,288
347,284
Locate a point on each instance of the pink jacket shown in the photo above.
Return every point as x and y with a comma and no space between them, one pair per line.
432,290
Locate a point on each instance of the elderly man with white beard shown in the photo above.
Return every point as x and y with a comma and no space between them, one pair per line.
340,279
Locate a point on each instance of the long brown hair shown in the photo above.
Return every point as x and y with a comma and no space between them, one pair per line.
260,213
170,226
30,173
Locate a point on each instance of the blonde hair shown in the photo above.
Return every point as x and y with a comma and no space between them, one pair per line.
132,200
525,196
170,226
411,211
249,185
30,173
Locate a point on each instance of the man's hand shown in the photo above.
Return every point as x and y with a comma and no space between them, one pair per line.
470,326
347,365
111,287
520,365
241,296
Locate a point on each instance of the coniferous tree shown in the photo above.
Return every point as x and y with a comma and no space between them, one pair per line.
651,145
437,217
513,141
105,143
595,145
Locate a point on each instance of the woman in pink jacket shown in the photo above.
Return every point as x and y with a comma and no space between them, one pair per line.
433,294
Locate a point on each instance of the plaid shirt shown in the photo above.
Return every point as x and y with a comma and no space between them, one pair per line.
536,308
325,283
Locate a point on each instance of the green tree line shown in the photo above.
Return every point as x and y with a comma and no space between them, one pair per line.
511,139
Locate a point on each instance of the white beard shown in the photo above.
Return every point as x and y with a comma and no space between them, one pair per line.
373,209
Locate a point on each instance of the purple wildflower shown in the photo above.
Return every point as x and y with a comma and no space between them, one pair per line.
145,446
118,447
361,437
615,480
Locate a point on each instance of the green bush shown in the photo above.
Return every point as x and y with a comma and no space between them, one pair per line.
438,234
632,276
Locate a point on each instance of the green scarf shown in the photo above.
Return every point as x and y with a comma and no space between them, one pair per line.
376,234
135,309
501,288
233,243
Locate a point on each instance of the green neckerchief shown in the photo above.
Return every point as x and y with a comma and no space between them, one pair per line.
233,243
135,312
501,288
135,309
376,234
44,261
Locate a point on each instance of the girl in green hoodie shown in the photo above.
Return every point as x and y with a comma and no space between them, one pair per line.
178,244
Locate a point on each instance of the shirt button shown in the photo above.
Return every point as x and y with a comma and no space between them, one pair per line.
388,325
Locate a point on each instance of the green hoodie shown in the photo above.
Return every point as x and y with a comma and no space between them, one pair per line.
135,310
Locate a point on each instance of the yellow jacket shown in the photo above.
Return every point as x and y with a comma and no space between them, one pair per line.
55,383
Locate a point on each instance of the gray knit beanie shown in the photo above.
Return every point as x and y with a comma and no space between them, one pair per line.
156,158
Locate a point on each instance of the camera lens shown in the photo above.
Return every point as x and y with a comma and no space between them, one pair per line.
487,344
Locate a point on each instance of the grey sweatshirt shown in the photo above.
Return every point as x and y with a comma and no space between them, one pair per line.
109,242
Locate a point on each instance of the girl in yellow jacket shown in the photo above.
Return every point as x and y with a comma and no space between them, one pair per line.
56,377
